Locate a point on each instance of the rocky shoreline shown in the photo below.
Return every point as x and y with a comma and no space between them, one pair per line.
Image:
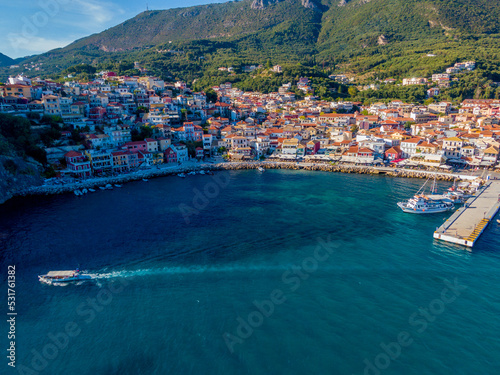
341,168
338,168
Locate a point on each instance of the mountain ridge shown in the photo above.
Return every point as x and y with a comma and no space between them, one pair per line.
6,60
356,35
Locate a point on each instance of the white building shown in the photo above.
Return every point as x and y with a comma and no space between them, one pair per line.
409,147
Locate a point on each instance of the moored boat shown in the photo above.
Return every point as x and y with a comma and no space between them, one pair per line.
63,277
427,204
260,169
118,186
92,190
181,175
145,180
422,204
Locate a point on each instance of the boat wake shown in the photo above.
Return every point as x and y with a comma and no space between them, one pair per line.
185,270
66,283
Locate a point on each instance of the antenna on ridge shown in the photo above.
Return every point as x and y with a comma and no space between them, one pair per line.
147,7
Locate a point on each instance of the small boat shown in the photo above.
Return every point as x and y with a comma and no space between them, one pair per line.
102,187
498,221
84,191
192,173
457,196
260,169
145,180
63,277
109,186
181,175
77,192
117,185
202,172
92,190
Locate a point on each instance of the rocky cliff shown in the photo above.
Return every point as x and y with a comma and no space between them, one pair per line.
261,4
17,175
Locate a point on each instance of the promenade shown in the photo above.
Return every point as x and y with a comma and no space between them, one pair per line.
467,224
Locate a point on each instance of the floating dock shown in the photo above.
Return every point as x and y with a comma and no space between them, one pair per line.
468,223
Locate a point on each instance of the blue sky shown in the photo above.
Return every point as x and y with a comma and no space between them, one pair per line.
34,26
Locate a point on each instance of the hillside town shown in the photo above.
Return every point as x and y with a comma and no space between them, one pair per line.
126,123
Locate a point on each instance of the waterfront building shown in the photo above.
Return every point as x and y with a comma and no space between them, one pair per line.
77,164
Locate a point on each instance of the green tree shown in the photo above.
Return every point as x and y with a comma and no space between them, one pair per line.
142,133
352,91
211,95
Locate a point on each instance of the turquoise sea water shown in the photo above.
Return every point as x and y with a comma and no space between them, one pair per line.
281,272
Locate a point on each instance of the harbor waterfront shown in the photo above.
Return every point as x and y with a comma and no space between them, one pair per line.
362,287
160,172
466,225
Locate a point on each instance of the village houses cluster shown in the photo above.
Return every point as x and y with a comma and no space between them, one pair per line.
248,125
439,80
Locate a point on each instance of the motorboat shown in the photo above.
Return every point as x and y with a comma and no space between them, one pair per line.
422,204
63,277
427,204
181,175
260,169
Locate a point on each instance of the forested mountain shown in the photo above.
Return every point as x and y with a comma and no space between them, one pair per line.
379,38
5,60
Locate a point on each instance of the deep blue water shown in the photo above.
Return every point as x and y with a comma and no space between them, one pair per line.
176,274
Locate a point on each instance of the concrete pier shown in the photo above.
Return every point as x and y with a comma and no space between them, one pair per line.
468,223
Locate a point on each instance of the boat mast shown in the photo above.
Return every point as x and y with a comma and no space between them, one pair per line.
434,188
422,188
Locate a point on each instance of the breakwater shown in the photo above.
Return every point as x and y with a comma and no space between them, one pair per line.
341,168
152,173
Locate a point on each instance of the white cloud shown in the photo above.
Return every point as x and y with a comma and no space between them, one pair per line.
35,44
91,13
52,23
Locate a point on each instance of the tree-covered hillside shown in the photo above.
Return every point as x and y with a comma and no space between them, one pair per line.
373,38
5,60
